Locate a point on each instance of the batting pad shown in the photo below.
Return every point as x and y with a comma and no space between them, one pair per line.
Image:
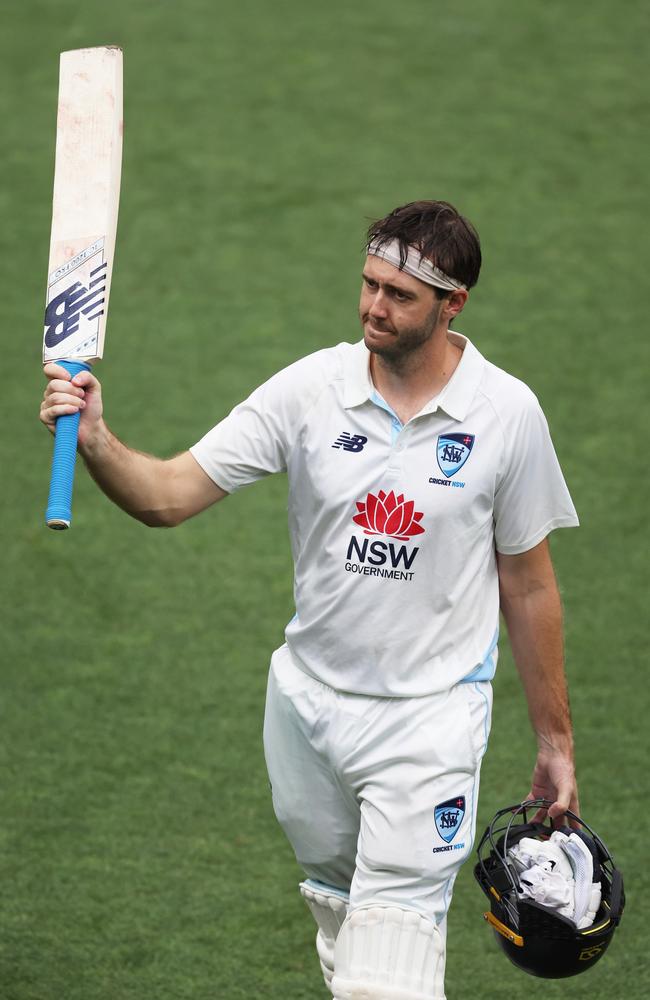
329,907
388,953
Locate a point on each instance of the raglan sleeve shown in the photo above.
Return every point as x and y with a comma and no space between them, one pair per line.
255,438
531,497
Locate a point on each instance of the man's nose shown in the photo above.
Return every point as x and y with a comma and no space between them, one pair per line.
378,305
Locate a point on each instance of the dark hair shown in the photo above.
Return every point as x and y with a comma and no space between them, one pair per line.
439,232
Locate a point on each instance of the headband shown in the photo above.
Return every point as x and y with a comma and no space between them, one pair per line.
415,265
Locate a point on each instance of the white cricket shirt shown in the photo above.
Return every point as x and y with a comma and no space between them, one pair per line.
394,527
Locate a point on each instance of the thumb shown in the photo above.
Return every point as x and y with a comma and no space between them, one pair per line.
85,380
557,811
558,808
563,797
566,799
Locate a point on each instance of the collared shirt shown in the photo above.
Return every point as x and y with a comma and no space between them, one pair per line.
395,528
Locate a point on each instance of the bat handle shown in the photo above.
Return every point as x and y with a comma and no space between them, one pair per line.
59,504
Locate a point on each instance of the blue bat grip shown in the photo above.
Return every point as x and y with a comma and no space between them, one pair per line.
59,505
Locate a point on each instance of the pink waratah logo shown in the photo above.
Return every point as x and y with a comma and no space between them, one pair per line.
386,514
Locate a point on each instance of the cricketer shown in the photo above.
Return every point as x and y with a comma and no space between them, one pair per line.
423,485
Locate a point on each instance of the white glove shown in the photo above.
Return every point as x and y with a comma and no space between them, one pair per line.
558,873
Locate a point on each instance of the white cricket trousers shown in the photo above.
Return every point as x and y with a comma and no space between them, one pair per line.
377,796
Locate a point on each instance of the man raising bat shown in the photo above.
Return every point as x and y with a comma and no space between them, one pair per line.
422,487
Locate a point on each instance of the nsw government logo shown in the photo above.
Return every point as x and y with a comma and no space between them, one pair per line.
452,451
392,516
449,816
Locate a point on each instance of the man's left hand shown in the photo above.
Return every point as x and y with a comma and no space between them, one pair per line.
554,779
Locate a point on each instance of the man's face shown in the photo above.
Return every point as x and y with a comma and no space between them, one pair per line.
398,313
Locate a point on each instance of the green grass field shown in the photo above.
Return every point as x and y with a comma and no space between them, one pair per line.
139,854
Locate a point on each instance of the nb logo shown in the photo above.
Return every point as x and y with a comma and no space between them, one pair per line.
350,442
63,312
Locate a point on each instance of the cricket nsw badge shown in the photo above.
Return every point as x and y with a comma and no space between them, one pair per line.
449,815
453,450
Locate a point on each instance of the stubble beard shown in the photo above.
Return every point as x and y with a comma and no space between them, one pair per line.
403,352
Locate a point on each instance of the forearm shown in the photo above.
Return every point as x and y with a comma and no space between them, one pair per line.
136,482
160,493
530,602
534,620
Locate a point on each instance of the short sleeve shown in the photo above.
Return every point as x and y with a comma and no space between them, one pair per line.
531,498
255,439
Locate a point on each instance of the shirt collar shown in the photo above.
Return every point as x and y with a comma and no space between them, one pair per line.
357,384
455,398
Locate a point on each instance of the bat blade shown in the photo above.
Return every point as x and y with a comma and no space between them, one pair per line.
84,222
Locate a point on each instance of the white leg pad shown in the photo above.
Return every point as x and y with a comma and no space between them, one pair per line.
388,953
329,907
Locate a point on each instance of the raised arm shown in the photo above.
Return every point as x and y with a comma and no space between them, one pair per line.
530,603
158,492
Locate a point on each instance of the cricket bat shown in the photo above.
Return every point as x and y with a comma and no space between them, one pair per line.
82,244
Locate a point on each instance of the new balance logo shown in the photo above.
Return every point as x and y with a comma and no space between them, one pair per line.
350,442
64,311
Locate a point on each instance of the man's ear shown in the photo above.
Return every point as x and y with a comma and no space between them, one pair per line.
455,303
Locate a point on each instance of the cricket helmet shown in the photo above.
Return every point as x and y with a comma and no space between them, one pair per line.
534,936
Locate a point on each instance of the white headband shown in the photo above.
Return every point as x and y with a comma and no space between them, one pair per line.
415,264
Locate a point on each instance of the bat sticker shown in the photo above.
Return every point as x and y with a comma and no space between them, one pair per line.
75,303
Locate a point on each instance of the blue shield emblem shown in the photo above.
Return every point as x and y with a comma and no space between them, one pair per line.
449,816
453,450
